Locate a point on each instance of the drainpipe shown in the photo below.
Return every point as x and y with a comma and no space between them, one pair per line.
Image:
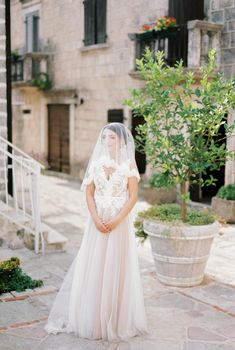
8,92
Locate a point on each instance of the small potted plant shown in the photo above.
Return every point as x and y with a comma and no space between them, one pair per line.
161,23
223,204
165,22
42,81
157,191
182,121
162,27
15,56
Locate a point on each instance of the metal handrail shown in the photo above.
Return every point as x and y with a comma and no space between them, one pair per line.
25,176
20,151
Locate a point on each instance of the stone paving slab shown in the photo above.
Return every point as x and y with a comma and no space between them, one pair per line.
203,346
174,321
218,295
11,342
18,312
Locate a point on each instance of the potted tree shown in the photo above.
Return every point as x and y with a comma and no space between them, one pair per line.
223,204
181,137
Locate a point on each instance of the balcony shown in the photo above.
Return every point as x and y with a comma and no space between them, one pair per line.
17,68
159,40
202,37
26,69
190,42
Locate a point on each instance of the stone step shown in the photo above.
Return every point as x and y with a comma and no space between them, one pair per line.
53,240
12,214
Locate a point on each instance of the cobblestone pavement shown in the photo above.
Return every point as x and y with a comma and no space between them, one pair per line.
199,318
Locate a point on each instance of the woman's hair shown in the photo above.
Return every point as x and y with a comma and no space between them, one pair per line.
119,130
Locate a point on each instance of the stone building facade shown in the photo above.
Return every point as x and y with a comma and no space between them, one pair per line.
223,11
86,49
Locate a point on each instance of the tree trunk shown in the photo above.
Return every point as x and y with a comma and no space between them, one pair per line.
183,200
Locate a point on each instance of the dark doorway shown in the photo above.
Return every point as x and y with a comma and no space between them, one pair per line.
183,11
139,156
58,138
205,193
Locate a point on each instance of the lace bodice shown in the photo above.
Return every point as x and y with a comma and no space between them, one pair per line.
110,193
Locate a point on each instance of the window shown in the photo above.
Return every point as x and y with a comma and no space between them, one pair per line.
32,35
115,115
94,22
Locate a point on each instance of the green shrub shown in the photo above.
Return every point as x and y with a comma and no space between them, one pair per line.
227,192
160,180
12,278
42,81
170,213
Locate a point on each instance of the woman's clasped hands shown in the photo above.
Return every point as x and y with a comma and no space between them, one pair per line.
106,226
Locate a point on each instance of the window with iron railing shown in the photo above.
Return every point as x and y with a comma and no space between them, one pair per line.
167,40
17,69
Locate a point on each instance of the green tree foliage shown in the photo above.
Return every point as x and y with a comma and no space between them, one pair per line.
181,133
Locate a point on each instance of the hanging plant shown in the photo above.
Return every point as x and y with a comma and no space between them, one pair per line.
42,81
15,56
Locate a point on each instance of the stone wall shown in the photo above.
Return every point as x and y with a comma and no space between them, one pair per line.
223,11
26,122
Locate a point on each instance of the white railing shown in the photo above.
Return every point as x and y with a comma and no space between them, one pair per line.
23,207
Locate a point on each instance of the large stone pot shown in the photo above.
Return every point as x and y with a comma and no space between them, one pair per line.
159,195
180,252
224,209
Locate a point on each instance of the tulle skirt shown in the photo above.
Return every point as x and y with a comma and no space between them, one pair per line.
101,296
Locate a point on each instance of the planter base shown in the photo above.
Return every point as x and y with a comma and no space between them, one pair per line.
180,252
224,209
180,282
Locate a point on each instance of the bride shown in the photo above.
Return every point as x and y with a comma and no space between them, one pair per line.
101,296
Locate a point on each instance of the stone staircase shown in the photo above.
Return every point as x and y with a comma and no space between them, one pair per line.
20,213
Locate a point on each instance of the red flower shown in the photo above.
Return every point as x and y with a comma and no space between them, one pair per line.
146,27
163,22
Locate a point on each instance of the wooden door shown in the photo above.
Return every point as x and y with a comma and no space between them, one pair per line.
58,137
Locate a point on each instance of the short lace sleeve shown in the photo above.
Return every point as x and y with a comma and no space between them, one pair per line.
89,176
133,171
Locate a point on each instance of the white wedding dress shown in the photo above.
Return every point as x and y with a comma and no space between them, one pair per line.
101,296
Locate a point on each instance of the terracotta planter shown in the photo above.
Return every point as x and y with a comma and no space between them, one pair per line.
180,252
160,195
224,209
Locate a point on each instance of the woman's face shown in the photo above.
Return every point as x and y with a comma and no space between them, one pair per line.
111,140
